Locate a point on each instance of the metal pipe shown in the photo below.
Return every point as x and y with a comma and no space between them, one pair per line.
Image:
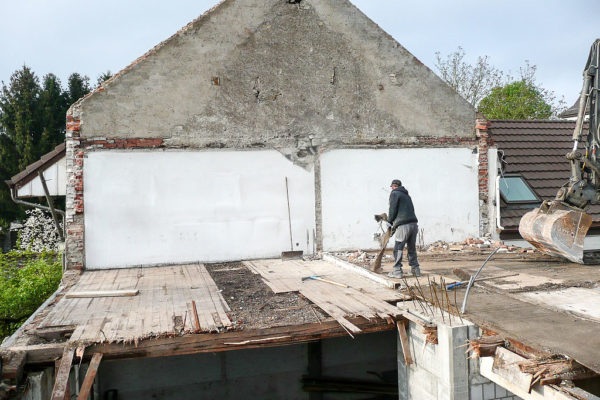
28,204
472,280
51,206
498,203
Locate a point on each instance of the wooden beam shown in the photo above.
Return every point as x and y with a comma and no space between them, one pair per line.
404,341
196,319
12,364
102,293
209,342
90,375
61,381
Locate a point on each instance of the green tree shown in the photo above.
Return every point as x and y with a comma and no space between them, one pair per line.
53,110
78,86
516,100
472,81
103,77
20,131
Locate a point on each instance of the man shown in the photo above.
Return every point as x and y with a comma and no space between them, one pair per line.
402,218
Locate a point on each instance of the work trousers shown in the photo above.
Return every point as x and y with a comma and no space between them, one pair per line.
406,235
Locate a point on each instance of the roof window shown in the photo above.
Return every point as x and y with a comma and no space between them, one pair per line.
514,189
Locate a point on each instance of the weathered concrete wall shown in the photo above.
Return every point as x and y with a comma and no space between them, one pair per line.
266,72
149,207
270,373
355,184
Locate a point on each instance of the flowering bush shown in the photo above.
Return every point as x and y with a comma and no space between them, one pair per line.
38,233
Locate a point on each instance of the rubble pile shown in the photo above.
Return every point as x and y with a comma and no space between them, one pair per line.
469,246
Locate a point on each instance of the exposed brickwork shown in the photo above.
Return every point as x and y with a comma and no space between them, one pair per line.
75,154
74,195
484,144
133,143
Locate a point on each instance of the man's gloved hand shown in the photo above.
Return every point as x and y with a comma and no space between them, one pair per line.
388,225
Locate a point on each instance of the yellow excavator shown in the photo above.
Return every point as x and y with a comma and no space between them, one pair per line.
559,226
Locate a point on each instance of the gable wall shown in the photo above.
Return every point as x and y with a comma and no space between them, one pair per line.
250,75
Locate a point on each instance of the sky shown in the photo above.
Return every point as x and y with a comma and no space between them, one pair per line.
91,36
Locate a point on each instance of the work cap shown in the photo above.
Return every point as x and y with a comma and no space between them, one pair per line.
396,182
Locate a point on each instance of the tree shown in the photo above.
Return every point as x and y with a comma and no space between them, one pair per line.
78,86
498,94
20,131
53,109
32,123
472,81
103,77
516,100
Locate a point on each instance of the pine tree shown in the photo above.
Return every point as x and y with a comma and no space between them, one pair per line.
78,86
103,77
20,131
53,104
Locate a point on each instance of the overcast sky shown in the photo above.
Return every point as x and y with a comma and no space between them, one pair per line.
89,37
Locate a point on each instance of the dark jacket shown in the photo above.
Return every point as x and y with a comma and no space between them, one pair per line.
401,208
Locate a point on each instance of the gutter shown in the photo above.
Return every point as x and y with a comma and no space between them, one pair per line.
498,225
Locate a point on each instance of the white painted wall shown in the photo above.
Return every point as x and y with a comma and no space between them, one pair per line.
55,177
144,208
355,185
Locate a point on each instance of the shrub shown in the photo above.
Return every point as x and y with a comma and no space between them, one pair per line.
38,232
27,279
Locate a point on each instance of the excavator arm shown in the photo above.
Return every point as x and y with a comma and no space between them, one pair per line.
559,226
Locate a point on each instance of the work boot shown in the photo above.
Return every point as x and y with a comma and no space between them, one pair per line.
396,274
416,271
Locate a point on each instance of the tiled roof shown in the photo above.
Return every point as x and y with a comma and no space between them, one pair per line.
30,172
536,150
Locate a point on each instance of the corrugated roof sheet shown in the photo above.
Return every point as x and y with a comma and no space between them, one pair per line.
536,150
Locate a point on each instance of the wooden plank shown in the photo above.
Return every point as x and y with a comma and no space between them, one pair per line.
505,366
195,316
61,380
361,271
11,363
90,375
402,325
103,293
206,342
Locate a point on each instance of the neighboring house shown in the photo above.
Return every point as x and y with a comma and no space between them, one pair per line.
532,167
572,112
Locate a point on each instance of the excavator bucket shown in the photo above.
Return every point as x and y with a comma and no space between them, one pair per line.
556,229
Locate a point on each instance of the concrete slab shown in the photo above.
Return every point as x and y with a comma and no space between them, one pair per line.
581,301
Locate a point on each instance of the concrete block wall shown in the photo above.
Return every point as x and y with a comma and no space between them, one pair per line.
481,388
441,371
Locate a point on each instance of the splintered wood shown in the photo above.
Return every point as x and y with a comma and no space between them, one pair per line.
162,306
361,297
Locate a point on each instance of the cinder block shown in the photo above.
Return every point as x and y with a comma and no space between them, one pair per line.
476,392
501,392
489,392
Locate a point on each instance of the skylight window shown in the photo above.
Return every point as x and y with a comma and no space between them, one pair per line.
514,189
